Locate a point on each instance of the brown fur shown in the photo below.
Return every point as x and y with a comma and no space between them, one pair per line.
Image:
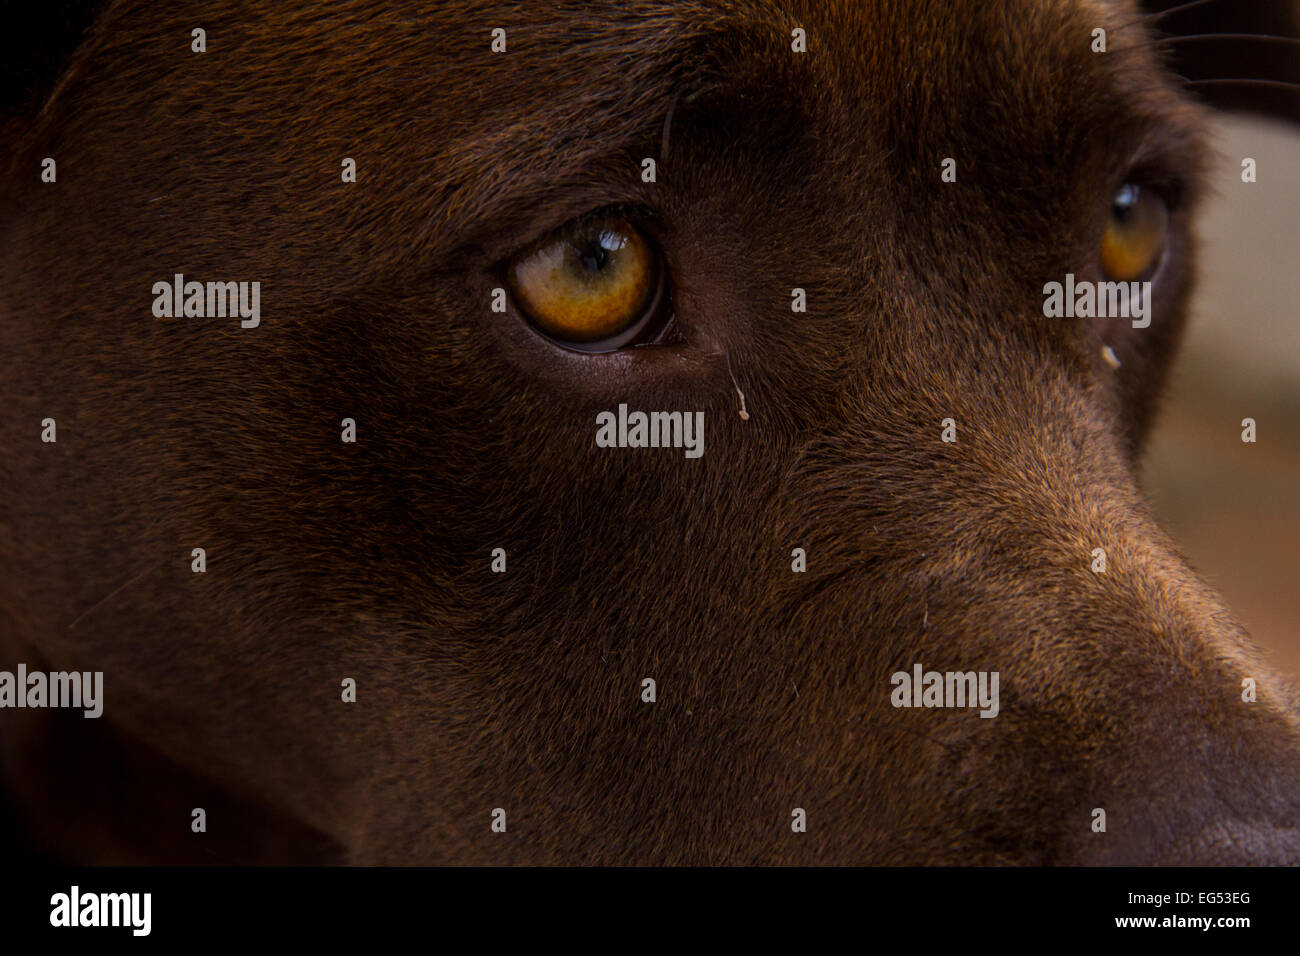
521,691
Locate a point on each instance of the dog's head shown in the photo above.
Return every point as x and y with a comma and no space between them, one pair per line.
837,255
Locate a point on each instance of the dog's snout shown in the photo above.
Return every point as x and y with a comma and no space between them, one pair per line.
1243,814
1234,842
1214,765
1171,740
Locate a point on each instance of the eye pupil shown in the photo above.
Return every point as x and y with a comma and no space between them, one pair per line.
593,257
1124,202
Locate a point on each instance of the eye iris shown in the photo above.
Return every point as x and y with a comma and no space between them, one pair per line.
1135,235
589,285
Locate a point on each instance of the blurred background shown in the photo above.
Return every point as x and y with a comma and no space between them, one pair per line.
1234,508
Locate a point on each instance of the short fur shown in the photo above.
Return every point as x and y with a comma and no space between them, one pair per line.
522,690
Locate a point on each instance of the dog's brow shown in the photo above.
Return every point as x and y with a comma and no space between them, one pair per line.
581,123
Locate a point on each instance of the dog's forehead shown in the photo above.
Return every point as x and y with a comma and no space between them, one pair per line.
641,53
468,143
906,83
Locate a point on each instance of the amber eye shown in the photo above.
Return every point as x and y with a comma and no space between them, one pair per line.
594,286
1135,234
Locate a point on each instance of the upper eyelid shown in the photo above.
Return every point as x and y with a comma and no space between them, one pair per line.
1172,187
1169,159
522,222
638,215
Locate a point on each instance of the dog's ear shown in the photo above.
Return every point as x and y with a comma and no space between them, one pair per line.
1221,46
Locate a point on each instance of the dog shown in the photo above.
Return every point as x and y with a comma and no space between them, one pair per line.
393,572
